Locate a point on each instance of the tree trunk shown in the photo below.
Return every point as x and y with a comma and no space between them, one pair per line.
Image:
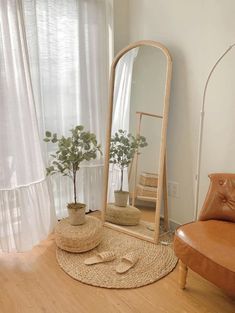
121,179
74,186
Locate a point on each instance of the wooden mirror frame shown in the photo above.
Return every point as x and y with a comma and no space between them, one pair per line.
162,162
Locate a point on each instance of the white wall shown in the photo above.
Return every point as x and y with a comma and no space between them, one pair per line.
147,95
196,33
121,24
218,155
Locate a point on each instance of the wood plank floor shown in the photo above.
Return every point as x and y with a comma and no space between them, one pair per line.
33,282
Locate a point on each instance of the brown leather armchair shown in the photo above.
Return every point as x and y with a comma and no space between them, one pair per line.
208,245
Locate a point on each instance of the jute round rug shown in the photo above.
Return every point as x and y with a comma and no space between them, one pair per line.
155,261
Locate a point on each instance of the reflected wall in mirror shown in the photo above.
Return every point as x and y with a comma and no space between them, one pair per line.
136,140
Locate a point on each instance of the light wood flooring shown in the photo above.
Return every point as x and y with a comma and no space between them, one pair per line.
33,282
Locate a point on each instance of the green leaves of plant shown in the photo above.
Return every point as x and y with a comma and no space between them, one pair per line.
123,147
50,137
80,146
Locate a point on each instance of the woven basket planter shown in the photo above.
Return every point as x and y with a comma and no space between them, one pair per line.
121,198
78,238
76,213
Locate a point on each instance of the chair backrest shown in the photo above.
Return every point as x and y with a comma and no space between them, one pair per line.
220,199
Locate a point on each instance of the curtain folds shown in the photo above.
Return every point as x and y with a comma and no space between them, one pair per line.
54,60
26,209
68,43
122,91
26,216
121,113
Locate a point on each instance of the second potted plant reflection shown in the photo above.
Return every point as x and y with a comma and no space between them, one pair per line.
123,147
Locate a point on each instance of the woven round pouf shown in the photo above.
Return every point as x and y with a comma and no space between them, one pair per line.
78,238
126,216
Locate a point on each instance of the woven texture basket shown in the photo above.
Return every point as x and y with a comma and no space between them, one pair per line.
79,238
155,261
128,215
148,179
146,191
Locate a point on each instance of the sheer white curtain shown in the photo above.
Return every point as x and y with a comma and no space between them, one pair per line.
68,43
26,212
122,91
121,112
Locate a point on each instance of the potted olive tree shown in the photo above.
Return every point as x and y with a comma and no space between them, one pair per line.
80,146
123,147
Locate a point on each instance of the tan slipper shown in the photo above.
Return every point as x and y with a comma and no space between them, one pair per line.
105,256
127,262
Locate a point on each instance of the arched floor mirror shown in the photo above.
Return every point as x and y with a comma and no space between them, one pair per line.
135,161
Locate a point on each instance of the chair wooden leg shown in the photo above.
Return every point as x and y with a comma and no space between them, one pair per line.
183,270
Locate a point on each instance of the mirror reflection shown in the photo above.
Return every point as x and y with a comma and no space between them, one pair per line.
139,91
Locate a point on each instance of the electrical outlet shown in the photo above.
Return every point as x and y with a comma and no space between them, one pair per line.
173,189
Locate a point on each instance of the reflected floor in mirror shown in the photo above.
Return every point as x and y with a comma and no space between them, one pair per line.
146,225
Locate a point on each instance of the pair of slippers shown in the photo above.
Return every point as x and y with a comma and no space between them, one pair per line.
127,261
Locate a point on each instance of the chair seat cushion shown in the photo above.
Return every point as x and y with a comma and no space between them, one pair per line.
208,248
